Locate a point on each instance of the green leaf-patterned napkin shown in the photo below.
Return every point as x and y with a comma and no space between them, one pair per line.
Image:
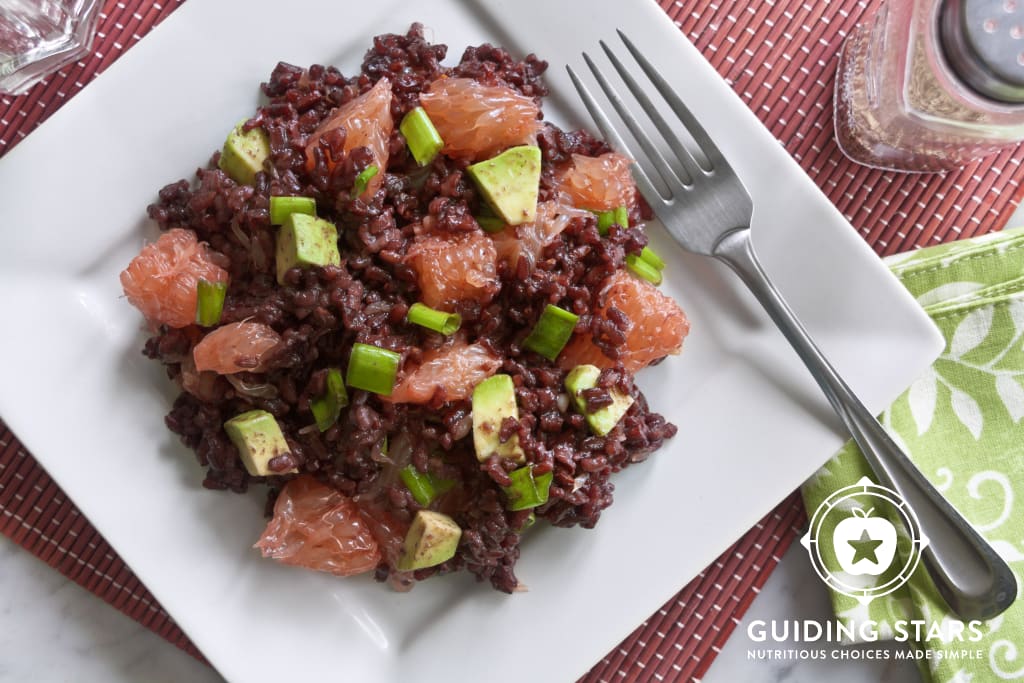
960,422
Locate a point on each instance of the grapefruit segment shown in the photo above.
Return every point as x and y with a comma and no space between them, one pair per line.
236,347
366,122
655,327
161,281
316,527
453,370
452,268
477,121
598,183
529,239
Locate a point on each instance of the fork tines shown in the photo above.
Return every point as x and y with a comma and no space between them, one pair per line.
691,167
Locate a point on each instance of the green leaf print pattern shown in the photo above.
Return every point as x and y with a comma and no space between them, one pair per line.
961,423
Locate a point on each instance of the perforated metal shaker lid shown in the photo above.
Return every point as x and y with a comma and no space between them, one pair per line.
983,40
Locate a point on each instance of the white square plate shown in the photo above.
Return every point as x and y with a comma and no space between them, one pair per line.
75,388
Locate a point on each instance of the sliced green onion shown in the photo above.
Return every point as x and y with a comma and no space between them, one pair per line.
530,521
209,302
421,135
643,269
327,408
372,368
488,220
282,207
424,487
363,179
652,258
438,321
490,224
617,216
622,216
551,333
527,491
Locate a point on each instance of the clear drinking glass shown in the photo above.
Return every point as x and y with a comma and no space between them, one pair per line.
37,37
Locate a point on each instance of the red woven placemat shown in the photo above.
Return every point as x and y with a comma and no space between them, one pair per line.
779,55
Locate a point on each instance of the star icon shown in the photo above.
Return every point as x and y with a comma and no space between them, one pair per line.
864,548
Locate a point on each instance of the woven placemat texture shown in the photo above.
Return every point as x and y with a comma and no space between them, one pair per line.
779,56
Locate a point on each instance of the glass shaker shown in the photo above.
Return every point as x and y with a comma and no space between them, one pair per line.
929,85
38,37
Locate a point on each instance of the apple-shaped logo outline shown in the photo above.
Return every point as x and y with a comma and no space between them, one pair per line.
864,544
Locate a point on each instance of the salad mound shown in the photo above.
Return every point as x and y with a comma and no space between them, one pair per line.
412,310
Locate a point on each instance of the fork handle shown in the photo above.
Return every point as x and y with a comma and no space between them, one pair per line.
974,581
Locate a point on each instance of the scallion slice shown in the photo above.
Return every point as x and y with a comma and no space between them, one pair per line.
643,269
209,302
372,368
651,256
424,487
490,224
282,207
551,333
527,491
363,179
422,137
327,408
438,321
617,216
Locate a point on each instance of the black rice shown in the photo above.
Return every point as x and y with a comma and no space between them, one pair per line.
321,312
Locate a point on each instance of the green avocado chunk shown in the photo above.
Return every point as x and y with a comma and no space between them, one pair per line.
306,240
244,153
431,540
603,420
258,438
494,399
510,182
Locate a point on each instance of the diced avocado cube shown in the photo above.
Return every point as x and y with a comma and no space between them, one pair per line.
431,540
510,183
258,438
603,420
494,399
304,241
244,153
526,490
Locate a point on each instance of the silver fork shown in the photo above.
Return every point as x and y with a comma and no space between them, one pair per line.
708,212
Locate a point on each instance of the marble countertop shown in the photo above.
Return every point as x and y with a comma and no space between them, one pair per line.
53,630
